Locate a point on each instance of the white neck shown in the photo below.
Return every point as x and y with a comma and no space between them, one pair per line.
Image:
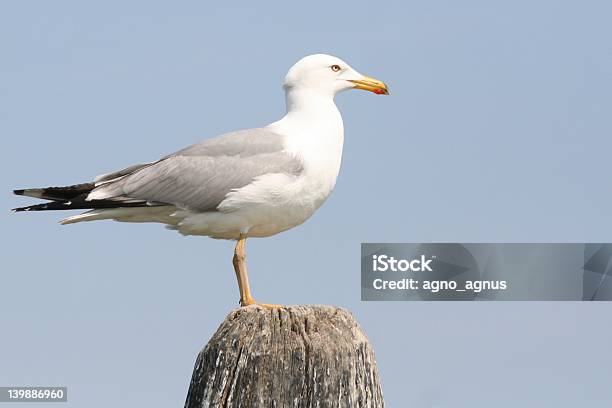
299,99
311,114
314,132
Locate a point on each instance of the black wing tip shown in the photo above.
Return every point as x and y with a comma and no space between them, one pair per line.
19,192
35,207
20,209
81,204
52,205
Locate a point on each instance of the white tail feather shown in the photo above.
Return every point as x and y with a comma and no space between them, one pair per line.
133,214
86,216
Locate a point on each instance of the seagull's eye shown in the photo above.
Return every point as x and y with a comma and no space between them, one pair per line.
335,68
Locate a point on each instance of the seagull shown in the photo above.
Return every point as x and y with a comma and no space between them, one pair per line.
248,183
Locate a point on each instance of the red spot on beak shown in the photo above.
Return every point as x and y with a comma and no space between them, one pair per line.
379,91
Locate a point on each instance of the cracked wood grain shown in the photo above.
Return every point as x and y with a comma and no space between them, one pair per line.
294,357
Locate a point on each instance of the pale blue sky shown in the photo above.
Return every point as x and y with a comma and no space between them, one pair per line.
498,129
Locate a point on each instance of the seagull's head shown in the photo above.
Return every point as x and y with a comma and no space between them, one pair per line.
329,75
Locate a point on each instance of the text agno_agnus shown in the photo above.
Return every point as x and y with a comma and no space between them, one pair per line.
435,286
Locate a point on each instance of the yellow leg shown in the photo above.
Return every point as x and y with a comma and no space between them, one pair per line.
243,278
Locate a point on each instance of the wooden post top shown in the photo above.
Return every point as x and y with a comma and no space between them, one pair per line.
296,356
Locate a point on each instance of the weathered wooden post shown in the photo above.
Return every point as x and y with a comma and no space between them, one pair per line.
298,356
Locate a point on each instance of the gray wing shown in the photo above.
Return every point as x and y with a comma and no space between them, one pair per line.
120,173
200,176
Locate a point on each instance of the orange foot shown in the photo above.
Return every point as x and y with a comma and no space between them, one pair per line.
270,306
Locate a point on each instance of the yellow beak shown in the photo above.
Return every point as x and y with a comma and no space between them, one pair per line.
372,85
